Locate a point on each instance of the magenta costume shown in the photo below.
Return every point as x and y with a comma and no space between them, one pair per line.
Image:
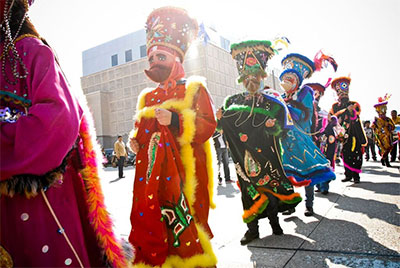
52,207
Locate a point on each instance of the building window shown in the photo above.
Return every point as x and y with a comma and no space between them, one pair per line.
143,51
114,60
128,55
225,43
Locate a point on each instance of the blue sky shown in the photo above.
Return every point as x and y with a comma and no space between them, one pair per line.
360,34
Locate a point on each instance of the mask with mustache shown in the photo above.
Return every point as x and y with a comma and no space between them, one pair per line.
158,73
251,84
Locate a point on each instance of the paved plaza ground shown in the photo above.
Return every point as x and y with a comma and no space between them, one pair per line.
355,225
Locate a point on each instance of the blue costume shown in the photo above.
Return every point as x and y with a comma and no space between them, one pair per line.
301,157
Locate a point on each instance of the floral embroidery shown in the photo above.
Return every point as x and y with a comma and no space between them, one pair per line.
177,217
152,152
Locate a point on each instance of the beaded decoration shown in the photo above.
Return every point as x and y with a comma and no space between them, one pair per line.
18,68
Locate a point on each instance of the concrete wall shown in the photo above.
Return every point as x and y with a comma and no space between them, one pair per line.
98,58
112,93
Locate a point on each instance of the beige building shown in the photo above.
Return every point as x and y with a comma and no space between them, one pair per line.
112,93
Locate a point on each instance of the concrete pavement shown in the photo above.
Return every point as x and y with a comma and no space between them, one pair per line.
355,225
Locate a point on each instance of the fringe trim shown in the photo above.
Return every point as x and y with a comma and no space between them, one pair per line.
30,185
261,204
207,259
98,215
289,199
258,207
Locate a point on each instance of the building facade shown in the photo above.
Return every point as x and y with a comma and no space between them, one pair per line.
113,77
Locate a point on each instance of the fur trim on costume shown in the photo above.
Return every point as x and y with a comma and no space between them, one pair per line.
275,130
288,199
210,156
98,215
261,204
258,207
207,259
184,106
298,183
30,185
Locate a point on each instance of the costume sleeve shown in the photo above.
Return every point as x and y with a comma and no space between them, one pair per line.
38,142
357,108
295,112
205,123
308,102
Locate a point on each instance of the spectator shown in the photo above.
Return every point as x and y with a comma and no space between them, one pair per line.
369,132
222,156
120,153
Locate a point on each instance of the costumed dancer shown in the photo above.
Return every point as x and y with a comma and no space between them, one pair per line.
253,122
328,146
320,116
348,114
301,157
383,127
51,203
322,130
173,181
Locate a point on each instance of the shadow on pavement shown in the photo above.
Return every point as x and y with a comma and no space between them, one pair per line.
372,208
117,179
394,171
332,241
228,190
379,188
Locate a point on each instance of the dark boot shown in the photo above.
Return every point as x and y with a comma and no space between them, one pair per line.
248,237
383,161
309,212
276,228
387,163
289,211
251,234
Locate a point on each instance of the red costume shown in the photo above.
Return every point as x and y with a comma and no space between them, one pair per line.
173,180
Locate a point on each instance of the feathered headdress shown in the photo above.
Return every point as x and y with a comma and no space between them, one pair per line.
321,61
319,87
383,101
278,41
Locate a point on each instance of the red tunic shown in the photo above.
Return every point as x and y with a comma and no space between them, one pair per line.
171,197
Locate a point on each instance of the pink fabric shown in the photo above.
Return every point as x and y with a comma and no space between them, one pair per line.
351,168
36,144
26,240
354,117
53,120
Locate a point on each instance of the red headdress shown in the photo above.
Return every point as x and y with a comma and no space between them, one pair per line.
170,29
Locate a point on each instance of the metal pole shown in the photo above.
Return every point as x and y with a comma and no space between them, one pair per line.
273,79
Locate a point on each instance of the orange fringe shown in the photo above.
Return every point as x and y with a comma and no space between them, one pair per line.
254,208
280,196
